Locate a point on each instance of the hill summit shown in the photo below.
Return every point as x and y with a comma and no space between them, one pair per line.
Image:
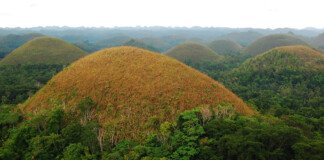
44,50
293,57
189,52
225,47
271,41
128,87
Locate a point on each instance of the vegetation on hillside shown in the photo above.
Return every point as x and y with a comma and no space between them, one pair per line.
44,50
10,42
195,134
282,81
271,41
18,82
129,87
225,47
127,103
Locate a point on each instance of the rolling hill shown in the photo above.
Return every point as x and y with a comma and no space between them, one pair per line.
127,86
243,38
225,47
193,53
140,44
44,50
271,41
10,42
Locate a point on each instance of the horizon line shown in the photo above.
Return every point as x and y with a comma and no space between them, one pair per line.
171,27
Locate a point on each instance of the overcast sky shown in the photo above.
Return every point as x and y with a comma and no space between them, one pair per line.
188,13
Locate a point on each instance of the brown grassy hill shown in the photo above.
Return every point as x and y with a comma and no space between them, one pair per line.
225,47
44,50
129,86
271,41
294,57
319,41
193,53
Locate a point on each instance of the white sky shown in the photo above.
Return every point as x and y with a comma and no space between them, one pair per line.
205,13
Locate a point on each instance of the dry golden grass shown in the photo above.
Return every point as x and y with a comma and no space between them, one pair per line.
44,50
129,85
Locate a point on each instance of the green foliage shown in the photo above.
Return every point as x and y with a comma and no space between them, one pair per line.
19,82
75,151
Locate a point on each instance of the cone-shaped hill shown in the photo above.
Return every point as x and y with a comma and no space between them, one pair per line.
193,53
11,42
140,44
128,86
293,57
44,50
271,41
225,47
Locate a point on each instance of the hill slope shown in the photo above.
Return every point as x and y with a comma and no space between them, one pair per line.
128,86
44,50
157,43
140,44
225,47
271,41
10,42
319,41
193,53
